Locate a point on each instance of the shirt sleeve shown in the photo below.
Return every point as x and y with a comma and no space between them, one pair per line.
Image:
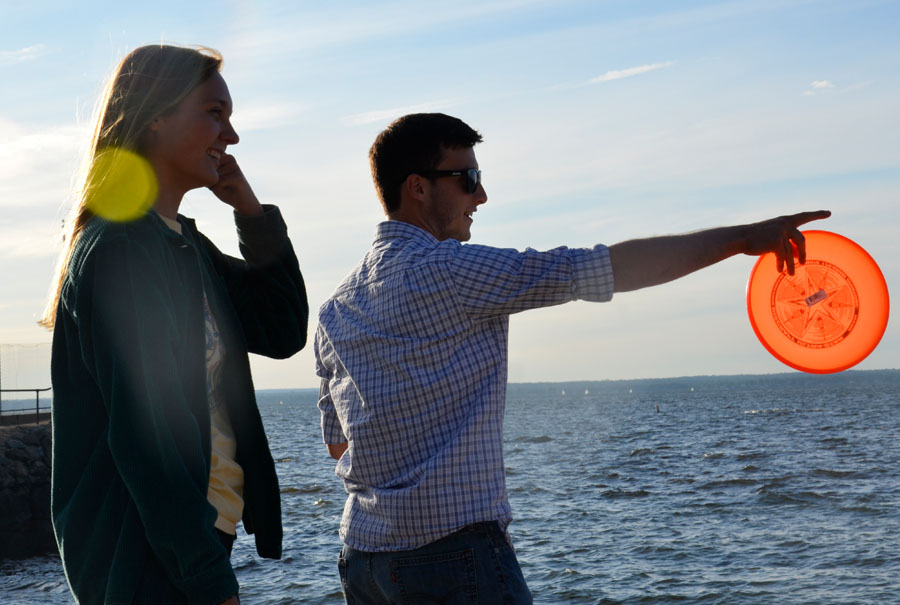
332,432
495,281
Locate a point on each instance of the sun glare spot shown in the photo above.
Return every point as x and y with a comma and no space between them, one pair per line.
121,186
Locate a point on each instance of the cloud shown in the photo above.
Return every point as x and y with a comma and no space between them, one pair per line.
330,25
266,116
29,53
817,86
37,164
383,115
857,86
38,238
618,74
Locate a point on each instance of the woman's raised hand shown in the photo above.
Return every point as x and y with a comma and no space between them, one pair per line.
233,188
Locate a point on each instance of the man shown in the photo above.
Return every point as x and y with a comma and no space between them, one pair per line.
412,352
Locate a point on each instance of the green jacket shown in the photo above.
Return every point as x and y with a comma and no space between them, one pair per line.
131,426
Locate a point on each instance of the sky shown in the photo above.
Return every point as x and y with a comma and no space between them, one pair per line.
602,121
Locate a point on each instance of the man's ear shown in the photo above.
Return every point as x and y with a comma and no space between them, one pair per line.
416,187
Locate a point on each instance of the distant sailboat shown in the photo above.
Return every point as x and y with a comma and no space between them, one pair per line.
564,392
586,392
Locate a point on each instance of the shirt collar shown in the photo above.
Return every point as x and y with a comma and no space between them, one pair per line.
188,225
171,223
389,230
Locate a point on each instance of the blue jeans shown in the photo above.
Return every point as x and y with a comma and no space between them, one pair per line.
473,565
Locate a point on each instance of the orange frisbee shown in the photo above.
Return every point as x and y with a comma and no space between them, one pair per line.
829,315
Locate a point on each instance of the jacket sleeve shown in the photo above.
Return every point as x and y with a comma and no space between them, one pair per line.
128,333
266,286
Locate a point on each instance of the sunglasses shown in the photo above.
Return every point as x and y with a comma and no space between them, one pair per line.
473,176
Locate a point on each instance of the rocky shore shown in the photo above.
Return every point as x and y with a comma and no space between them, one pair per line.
25,527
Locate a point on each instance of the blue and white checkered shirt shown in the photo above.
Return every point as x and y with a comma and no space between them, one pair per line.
412,352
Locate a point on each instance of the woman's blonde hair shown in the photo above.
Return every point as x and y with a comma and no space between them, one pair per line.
149,82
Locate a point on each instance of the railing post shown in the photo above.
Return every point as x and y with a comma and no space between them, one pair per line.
37,406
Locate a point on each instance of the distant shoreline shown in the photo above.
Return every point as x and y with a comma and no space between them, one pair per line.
698,380
609,385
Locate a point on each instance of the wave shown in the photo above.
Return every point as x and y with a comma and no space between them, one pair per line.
538,439
728,483
315,488
821,472
753,456
623,493
773,496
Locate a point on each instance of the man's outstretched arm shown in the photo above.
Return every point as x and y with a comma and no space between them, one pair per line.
647,262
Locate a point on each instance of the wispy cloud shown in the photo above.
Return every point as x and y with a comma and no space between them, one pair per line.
817,86
29,53
618,74
329,25
825,86
857,86
382,115
266,116
34,238
37,164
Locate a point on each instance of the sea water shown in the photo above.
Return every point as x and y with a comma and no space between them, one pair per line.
750,489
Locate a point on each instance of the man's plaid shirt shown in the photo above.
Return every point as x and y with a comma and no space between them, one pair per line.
412,353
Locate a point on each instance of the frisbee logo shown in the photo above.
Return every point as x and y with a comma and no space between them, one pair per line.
816,298
821,319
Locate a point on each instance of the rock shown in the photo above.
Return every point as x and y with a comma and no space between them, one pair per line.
18,471
32,435
25,459
40,502
31,539
15,508
20,454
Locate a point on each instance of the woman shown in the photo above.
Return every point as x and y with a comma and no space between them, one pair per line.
158,446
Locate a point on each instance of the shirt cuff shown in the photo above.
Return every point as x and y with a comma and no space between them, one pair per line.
331,430
593,274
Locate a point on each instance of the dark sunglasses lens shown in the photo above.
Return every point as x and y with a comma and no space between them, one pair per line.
473,177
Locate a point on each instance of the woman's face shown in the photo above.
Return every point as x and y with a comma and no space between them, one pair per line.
185,145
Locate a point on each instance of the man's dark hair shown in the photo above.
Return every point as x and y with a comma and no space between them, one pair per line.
414,144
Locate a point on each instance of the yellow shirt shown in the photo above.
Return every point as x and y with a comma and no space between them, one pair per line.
226,477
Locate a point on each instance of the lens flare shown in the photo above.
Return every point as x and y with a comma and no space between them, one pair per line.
121,186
